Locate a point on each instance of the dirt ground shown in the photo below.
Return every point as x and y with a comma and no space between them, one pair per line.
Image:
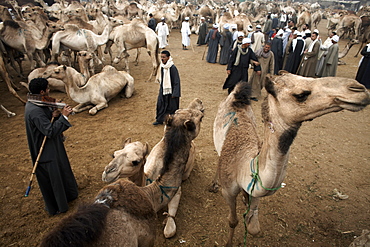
331,152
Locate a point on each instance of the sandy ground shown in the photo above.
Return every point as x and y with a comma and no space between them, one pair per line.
329,153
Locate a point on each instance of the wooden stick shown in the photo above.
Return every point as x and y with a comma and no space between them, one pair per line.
204,52
191,45
36,163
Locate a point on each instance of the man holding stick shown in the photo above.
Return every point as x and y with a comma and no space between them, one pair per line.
54,174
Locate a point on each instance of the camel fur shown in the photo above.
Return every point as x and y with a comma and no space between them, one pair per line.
154,164
123,213
98,90
291,100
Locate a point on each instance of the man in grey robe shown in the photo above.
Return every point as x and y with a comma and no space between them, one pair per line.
213,39
168,100
330,65
309,60
54,174
225,43
203,30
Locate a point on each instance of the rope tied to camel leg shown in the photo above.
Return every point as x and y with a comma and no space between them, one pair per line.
164,192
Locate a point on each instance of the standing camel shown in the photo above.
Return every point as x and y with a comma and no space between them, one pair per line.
257,168
123,213
140,174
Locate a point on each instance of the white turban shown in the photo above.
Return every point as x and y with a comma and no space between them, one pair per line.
215,25
240,34
280,32
227,26
186,18
335,38
234,26
246,41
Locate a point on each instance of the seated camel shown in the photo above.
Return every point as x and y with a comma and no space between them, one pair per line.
97,91
123,213
154,164
256,168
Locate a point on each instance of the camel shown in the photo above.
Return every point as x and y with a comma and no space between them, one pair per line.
118,167
364,32
98,90
256,168
86,63
348,23
81,39
123,213
316,18
304,18
131,36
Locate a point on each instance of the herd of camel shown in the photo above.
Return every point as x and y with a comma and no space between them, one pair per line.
124,212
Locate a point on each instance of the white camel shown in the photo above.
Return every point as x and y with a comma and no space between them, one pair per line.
98,90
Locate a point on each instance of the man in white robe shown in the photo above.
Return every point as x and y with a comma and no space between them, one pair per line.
185,33
163,32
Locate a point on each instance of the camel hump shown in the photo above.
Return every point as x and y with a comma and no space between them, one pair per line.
128,196
242,94
12,24
79,229
72,27
109,68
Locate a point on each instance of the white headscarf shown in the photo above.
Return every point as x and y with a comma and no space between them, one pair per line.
167,89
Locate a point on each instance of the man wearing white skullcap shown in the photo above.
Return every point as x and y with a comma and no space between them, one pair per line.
331,59
234,31
225,43
185,33
238,41
213,39
203,30
277,49
237,67
295,51
163,32
258,39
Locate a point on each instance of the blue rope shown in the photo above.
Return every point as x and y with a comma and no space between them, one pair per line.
164,192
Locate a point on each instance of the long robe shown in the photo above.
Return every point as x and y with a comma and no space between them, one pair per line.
169,103
295,56
363,73
162,30
239,72
54,174
258,39
212,46
267,67
185,32
308,66
152,24
330,65
277,49
203,30
225,43
322,54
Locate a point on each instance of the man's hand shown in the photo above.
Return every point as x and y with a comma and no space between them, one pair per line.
228,72
67,110
56,113
255,63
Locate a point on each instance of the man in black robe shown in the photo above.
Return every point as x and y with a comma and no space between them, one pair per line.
169,91
213,39
363,73
203,30
54,174
225,43
237,67
277,49
152,24
296,50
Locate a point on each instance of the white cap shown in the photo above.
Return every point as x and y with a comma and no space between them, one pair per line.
296,32
202,18
300,34
186,18
307,31
234,26
227,26
280,32
162,18
240,34
246,41
250,28
335,38
316,31
258,26
215,25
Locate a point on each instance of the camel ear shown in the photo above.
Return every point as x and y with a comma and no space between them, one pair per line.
190,125
127,141
64,67
269,85
282,72
147,149
169,120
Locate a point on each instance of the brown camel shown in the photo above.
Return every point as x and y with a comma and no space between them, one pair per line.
140,174
123,213
257,168
364,32
346,49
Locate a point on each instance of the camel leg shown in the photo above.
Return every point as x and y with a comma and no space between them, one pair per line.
108,49
362,44
233,218
215,184
82,107
253,224
137,57
9,113
97,108
170,228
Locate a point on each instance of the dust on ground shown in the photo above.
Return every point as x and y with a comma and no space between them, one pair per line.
331,152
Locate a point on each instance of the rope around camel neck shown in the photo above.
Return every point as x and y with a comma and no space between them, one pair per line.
255,178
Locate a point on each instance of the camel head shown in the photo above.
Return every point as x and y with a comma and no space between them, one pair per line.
294,99
86,55
190,118
353,42
115,22
57,73
127,161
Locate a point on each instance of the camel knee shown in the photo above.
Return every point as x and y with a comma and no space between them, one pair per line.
233,222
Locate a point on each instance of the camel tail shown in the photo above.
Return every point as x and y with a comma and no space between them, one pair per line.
242,94
79,229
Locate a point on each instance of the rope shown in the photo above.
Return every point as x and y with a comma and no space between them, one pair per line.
255,178
164,192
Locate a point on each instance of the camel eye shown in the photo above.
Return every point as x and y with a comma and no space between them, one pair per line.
111,169
302,96
136,162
